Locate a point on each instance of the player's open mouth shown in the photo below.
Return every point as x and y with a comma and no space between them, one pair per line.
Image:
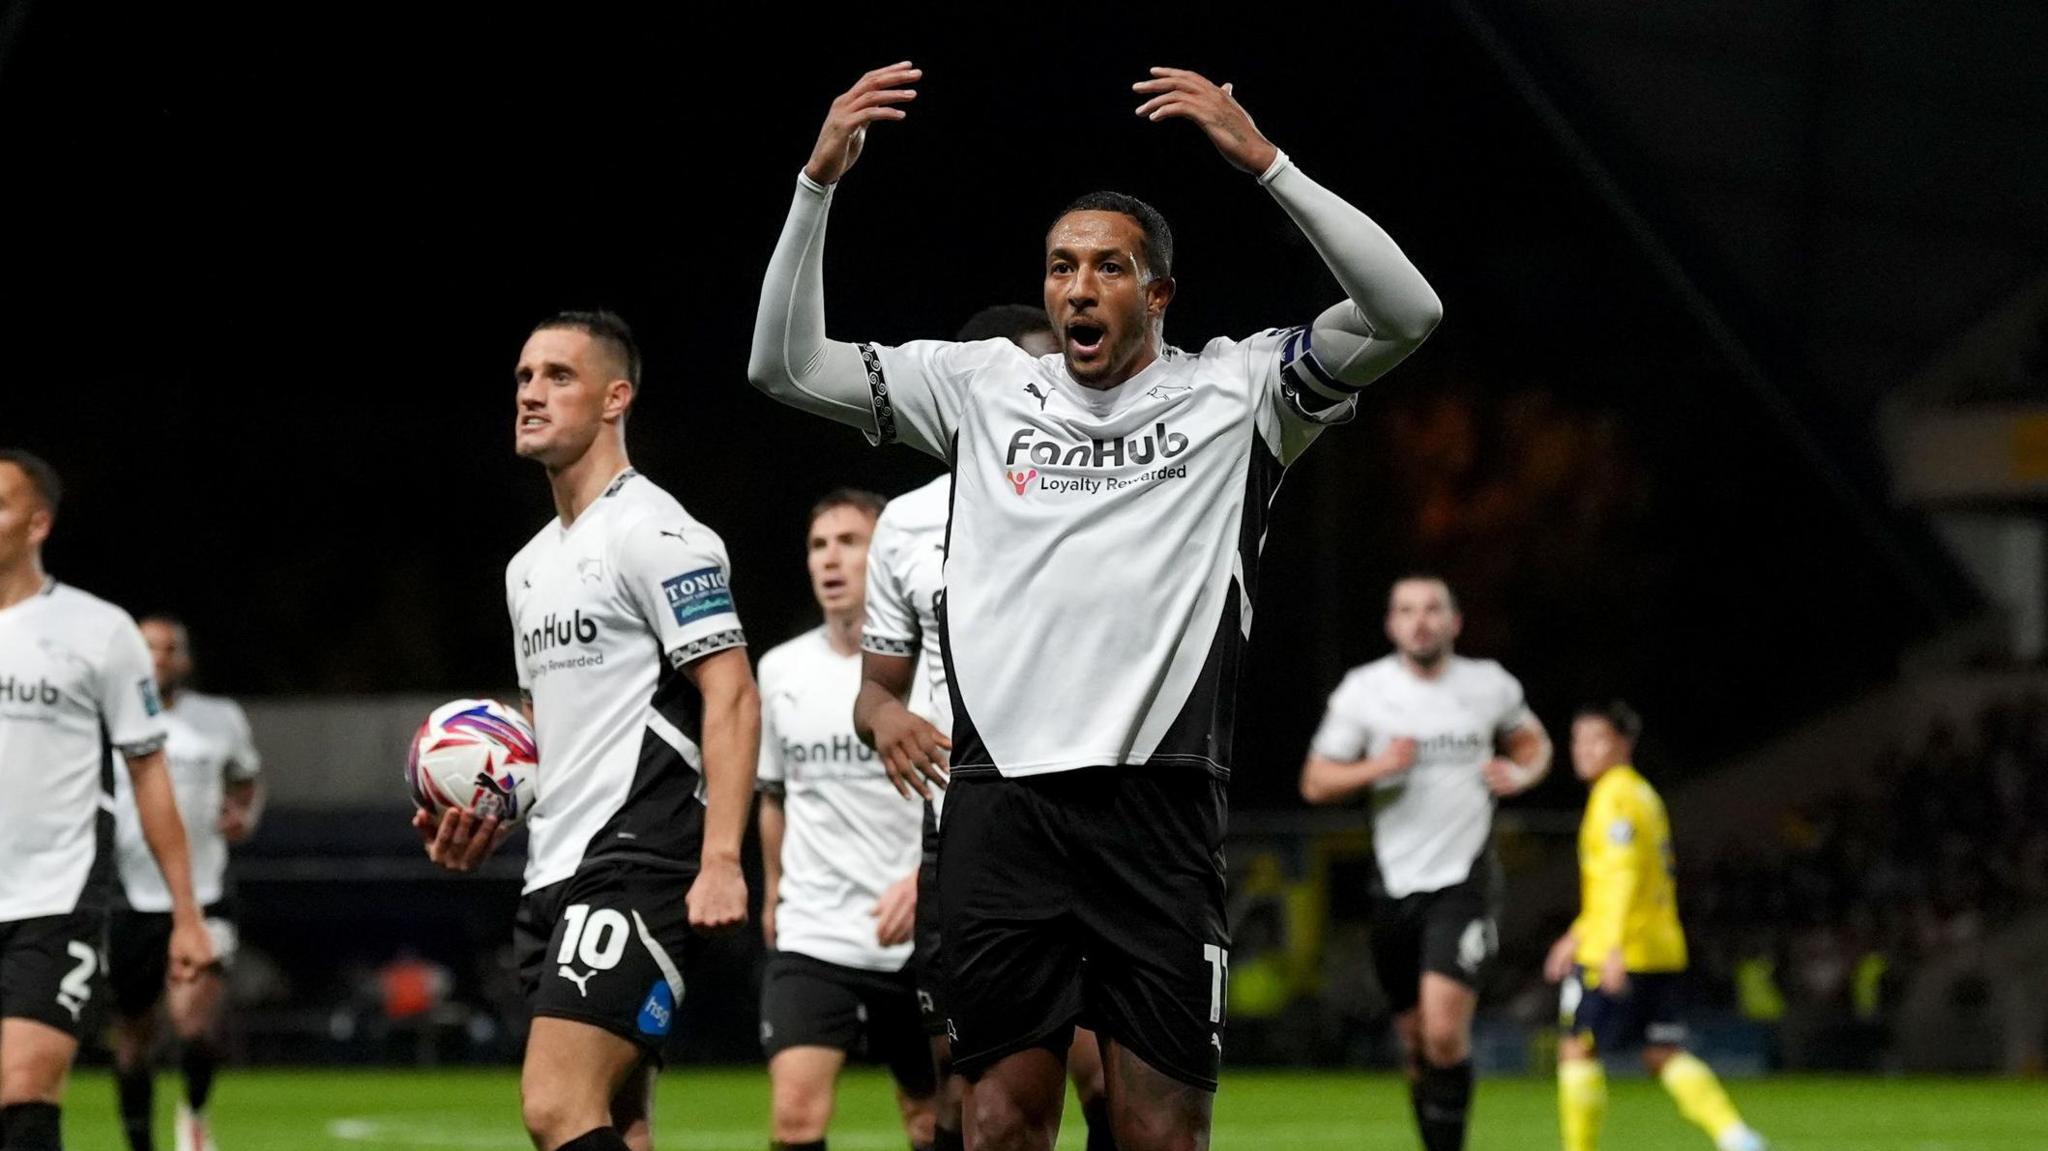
1084,340
533,421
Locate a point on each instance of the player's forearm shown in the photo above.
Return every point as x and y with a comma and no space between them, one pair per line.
163,830
1391,301
243,804
791,359
1325,780
1530,750
732,745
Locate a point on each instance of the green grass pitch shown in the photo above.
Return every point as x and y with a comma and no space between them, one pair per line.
702,1109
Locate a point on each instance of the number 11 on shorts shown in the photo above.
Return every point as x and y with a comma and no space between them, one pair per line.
1218,959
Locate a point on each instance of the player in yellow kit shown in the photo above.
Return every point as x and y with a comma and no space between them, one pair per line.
1622,963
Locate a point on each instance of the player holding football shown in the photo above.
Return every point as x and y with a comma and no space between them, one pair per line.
1109,506
1623,962
633,670
75,687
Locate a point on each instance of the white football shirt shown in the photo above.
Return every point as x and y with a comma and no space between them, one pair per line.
847,834
606,613
1103,549
208,744
76,686
1432,822
906,580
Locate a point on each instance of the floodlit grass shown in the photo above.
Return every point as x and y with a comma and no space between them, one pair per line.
726,1110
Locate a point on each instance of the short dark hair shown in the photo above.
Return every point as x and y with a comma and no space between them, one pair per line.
1004,322
867,501
1619,716
163,617
1450,596
1158,237
41,476
606,327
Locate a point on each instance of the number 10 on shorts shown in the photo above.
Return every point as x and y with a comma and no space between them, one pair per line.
598,939
1218,959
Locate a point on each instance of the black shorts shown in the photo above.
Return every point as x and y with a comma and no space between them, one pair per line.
925,960
139,953
607,947
808,1002
1093,894
1450,932
52,967
1650,1012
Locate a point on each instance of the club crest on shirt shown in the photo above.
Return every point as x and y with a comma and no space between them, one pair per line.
1169,391
590,569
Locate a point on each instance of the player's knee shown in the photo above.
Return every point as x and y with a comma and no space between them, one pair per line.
1445,1045
1003,1120
1183,1128
920,1118
33,1077
193,1030
553,1116
802,1111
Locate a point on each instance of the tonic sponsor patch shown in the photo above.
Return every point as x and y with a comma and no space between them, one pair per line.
694,595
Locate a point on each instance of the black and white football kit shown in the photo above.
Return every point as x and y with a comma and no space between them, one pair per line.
1101,563
1432,824
76,687
607,612
208,744
848,836
906,580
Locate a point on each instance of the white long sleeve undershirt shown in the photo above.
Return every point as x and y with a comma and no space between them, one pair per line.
1388,311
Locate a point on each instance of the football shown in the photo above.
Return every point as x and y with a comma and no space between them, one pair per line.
474,754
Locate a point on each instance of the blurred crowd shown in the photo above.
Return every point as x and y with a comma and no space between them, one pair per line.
1940,846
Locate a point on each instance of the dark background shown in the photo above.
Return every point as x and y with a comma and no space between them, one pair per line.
267,274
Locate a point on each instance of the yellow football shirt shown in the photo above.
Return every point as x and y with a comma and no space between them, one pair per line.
1627,893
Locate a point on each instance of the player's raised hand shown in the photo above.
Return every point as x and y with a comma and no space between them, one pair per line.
718,898
1176,93
895,914
878,96
459,841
